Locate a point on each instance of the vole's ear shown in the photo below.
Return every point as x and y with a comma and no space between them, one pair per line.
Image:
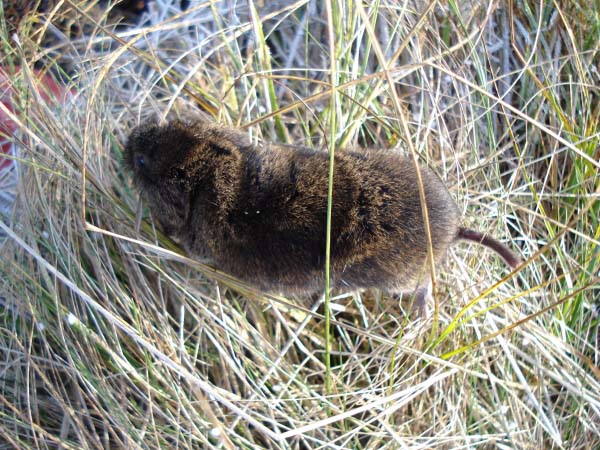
179,179
221,150
178,173
226,142
224,148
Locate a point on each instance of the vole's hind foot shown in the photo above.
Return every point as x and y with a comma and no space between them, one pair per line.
423,302
420,301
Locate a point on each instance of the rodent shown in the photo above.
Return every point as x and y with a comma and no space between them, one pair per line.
258,212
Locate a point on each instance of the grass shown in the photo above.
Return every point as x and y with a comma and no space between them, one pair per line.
110,337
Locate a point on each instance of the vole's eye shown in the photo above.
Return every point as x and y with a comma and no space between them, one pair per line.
139,161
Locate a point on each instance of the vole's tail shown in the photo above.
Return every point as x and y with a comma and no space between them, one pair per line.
471,235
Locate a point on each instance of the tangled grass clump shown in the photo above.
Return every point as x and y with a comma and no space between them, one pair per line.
111,338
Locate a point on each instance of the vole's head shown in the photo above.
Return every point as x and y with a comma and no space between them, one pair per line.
156,154
177,152
171,161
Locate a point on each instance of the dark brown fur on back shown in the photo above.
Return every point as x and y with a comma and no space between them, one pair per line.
259,212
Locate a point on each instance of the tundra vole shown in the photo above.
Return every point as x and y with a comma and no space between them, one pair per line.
258,212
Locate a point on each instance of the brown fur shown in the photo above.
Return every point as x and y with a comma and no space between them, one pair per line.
259,212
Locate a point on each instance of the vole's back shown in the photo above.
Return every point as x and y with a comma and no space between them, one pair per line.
272,233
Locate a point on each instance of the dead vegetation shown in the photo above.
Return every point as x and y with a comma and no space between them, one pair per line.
110,338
